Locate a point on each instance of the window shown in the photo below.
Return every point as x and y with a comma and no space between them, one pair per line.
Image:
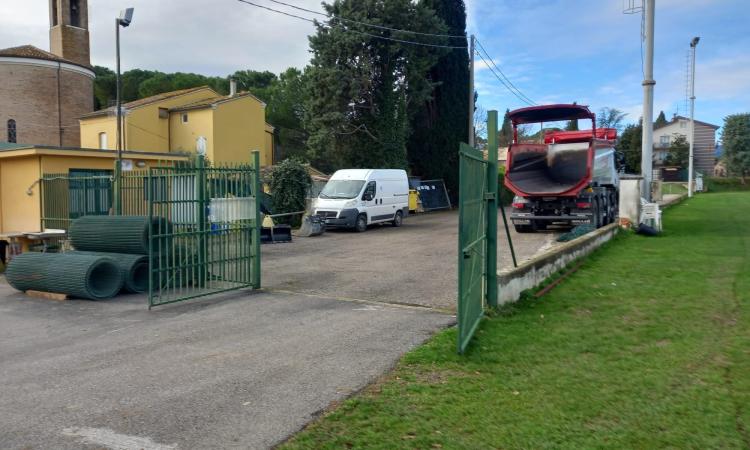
683,123
370,190
75,13
103,141
664,141
54,13
184,118
12,136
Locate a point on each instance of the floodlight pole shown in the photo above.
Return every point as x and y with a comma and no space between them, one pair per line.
471,90
647,146
693,44
122,21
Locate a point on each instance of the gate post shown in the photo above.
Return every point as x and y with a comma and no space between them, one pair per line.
257,187
202,217
492,202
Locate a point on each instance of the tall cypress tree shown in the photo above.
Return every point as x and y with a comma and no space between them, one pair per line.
441,123
505,135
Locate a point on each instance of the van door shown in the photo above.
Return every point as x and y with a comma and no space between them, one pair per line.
369,200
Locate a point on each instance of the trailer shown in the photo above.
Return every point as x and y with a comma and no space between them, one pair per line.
566,177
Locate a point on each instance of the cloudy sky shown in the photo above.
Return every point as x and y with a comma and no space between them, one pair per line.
553,50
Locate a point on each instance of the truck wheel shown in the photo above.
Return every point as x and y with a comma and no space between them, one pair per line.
398,219
596,221
523,228
613,207
606,211
361,224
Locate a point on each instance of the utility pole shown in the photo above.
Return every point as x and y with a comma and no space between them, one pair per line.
471,90
647,146
693,44
126,16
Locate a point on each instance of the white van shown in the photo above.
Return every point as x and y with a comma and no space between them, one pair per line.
355,198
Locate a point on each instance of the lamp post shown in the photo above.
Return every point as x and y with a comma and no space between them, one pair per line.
126,16
693,44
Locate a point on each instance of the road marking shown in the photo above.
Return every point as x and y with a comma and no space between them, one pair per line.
114,441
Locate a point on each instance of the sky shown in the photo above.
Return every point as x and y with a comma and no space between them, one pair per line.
554,51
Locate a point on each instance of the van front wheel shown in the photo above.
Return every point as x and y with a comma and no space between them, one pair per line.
398,219
361,224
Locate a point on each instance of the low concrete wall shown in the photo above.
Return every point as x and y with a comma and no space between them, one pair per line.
511,282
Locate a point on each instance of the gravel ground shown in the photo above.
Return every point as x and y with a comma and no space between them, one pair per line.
414,264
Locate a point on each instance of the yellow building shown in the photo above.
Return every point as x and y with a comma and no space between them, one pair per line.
22,168
172,122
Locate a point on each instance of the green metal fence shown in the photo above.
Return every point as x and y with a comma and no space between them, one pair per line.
210,240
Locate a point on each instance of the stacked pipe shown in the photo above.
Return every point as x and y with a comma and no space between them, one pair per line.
102,244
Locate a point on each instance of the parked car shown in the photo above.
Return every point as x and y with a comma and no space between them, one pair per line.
356,198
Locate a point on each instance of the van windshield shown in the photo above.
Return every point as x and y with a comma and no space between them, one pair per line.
342,189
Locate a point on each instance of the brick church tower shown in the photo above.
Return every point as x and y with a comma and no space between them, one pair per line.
43,93
69,30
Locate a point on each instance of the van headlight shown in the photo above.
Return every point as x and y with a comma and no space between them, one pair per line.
350,204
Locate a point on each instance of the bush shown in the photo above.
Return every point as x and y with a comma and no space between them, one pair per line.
506,196
289,185
725,184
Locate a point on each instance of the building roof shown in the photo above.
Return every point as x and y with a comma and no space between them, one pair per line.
146,101
9,150
213,101
675,119
31,52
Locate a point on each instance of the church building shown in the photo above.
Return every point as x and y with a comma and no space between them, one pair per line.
43,93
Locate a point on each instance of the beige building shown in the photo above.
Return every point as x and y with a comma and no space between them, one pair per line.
705,142
42,93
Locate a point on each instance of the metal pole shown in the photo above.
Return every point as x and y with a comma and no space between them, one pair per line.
647,145
118,114
471,90
492,202
257,189
693,44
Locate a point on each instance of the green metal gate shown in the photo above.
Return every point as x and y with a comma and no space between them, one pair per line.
206,234
477,234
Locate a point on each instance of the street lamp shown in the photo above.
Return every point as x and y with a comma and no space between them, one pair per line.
693,44
126,16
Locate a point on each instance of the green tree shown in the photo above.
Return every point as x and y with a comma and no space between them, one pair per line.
260,84
285,111
104,87
678,153
572,125
363,90
610,118
629,144
289,183
735,139
661,120
440,123
505,134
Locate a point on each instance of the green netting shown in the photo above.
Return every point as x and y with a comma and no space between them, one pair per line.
134,269
84,276
116,234
576,232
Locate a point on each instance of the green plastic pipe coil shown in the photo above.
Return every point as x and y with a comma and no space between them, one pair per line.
83,276
116,234
134,269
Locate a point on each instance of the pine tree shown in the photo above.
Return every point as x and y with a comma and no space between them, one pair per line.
441,122
362,91
661,120
572,125
505,135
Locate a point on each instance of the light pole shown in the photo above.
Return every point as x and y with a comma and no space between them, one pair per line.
693,44
126,16
647,139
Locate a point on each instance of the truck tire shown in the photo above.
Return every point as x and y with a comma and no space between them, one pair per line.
524,228
614,207
596,220
606,211
361,224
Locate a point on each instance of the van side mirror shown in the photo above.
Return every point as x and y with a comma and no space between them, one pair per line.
367,196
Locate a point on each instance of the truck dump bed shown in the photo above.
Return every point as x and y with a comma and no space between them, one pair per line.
548,169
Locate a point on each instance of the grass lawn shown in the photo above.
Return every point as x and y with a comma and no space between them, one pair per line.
674,188
647,346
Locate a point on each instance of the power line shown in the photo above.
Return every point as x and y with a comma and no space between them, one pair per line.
402,41
503,78
381,27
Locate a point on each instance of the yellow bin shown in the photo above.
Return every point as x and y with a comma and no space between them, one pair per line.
413,200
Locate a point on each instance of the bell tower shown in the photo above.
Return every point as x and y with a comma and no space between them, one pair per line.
69,30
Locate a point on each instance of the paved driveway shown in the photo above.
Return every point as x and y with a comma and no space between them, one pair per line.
242,371
414,264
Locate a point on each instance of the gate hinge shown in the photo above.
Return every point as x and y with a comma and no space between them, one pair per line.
489,196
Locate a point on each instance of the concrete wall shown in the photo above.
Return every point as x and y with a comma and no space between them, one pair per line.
19,211
239,127
511,282
184,135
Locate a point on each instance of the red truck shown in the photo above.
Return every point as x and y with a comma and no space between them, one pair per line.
569,178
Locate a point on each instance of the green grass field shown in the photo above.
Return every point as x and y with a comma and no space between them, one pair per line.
647,346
